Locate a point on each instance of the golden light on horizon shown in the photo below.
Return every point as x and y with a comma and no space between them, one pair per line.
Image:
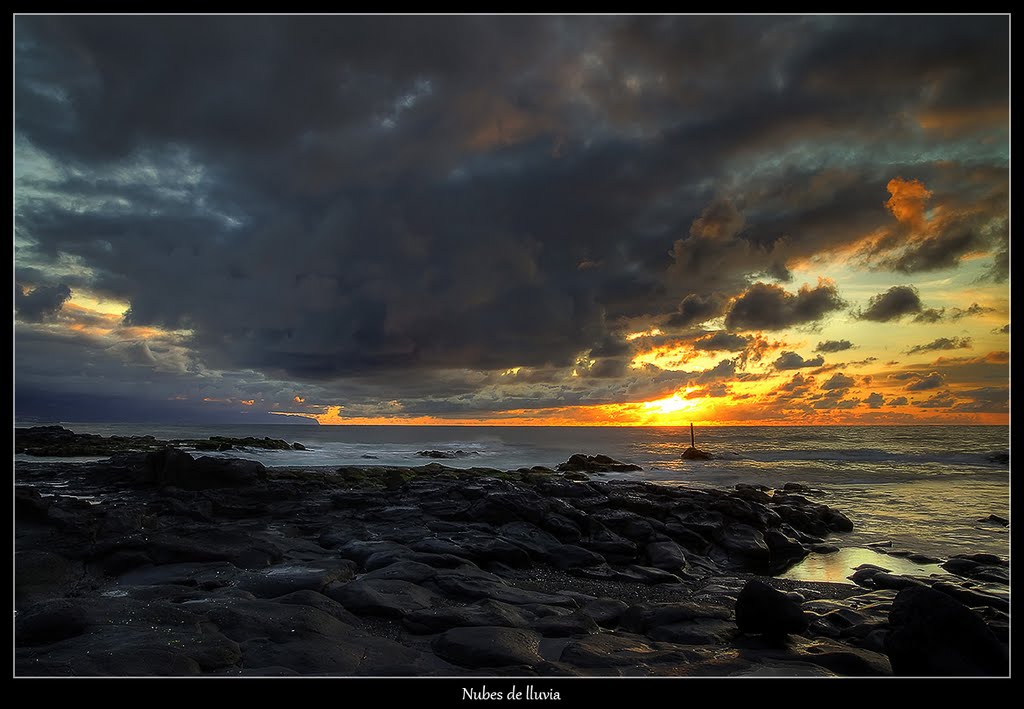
672,404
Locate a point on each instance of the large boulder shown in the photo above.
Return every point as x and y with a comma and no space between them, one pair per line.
934,634
761,609
595,464
489,646
172,467
745,542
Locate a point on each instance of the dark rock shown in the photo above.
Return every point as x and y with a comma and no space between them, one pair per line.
289,578
687,538
606,650
762,609
882,579
503,507
611,546
359,550
692,453
480,585
322,603
563,528
753,493
388,598
51,621
972,597
752,513
298,446
784,551
981,567
563,626
171,467
987,559
484,548
570,556
668,556
647,575
606,612
489,647
487,612
699,631
645,617
837,657
447,455
746,542
41,575
534,540
404,570
836,521
933,634
595,464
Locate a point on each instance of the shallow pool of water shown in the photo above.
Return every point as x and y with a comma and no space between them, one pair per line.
836,567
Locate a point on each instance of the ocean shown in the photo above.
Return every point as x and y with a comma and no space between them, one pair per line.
924,488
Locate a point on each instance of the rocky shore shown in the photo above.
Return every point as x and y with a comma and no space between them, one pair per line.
156,562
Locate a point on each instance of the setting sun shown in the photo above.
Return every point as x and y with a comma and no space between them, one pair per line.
672,404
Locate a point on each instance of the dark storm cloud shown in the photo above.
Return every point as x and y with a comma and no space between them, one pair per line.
838,381
351,202
792,360
897,302
874,400
833,346
942,343
924,382
984,399
41,302
722,341
764,306
695,309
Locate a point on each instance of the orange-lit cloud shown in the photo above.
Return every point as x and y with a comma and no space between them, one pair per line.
907,202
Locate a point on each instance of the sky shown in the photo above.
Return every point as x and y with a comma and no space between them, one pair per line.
592,220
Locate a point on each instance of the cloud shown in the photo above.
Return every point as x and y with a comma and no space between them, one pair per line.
40,303
922,383
939,400
984,400
722,341
838,381
874,400
769,307
897,302
942,343
697,308
791,360
973,310
371,208
833,346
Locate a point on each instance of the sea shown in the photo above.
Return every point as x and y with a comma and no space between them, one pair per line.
925,489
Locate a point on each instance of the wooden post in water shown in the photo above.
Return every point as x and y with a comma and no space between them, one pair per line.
692,445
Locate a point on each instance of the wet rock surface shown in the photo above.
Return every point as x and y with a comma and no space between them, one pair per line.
151,564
